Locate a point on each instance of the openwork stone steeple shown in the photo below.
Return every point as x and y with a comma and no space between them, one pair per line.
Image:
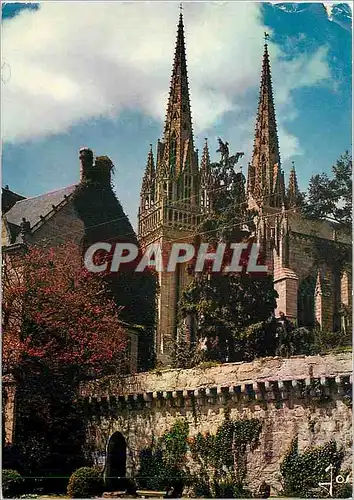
175,181
147,194
265,178
205,177
170,204
293,190
178,134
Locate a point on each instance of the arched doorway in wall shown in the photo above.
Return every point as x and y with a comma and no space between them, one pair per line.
116,462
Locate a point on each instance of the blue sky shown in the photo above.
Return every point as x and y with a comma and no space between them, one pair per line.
97,75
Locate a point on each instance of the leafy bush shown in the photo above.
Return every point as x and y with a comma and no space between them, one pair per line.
225,488
220,460
151,472
12,483
85,483
200,486
327,340
293,341
256,340
344,489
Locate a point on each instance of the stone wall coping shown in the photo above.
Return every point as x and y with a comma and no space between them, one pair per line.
262,374
265,390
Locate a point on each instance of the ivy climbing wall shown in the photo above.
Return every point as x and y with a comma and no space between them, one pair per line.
305,396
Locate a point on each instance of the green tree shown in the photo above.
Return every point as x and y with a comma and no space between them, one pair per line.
223,304
164,462
331,197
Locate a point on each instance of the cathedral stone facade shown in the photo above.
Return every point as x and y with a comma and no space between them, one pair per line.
174,200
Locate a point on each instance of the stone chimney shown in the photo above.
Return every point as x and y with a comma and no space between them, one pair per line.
103,170
99,171
86,164
25,229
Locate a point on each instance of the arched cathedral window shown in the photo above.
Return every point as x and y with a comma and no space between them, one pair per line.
173,152
306,302
337,320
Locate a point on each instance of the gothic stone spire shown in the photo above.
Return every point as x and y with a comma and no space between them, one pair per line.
205,163
293,190
178,134
147,193
205,176
267,186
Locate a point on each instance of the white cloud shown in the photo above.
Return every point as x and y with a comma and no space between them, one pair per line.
74,61
329,7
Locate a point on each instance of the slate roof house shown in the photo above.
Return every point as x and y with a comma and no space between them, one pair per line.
56,217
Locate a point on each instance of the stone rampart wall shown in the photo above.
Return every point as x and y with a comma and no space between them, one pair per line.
304,396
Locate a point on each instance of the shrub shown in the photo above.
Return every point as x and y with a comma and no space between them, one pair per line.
200,487
12,483
343,491
294,341
224,488
85,483
325,340
152,469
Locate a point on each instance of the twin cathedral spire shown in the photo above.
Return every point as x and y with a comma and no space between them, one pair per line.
176,182
178,190
265,178
170,187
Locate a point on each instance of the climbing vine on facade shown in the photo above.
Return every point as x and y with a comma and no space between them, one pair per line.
301,472
221,459
218,465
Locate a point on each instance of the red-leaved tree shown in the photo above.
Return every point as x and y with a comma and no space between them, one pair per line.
59,328
55,311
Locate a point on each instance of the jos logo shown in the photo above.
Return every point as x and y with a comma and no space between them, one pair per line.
337,480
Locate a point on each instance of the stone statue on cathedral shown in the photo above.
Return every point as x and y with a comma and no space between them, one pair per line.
223,150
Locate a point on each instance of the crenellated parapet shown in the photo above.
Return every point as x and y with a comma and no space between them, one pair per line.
261,391
307,378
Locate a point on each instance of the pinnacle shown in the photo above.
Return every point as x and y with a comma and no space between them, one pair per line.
266,125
